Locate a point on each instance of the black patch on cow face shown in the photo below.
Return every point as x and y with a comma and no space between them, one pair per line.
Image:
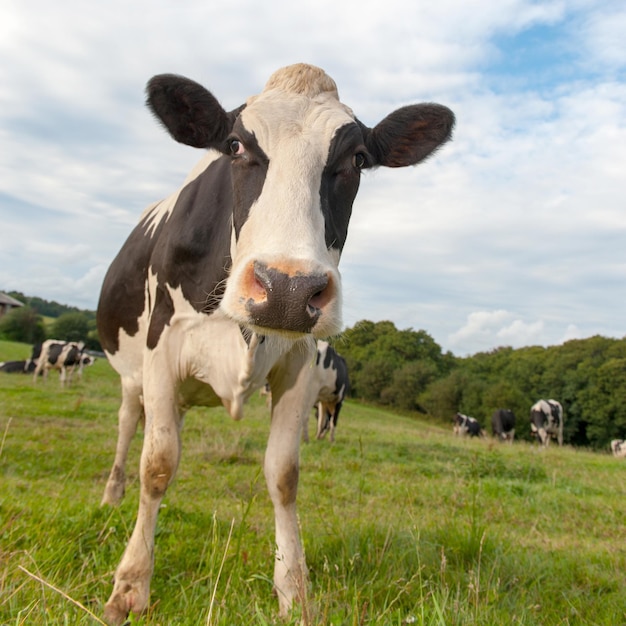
249,170
347,156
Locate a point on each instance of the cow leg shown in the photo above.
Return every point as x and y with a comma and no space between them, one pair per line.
292,398
334,418
331,424
38,369
159,462
131,411
321,420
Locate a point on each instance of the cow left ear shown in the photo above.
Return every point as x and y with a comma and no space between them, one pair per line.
189,112
410,134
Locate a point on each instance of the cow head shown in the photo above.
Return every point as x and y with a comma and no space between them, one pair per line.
539,425
296,155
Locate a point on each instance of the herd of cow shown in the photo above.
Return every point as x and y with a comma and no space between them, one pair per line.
65,356
546,423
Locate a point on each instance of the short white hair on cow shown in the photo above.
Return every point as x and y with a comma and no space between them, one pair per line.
228,283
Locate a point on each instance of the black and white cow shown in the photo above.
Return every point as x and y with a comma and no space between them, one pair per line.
228,282
546,421
503,424
61,355
18,367
330,380
618,448
466,425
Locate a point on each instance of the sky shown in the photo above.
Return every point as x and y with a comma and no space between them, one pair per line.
513,234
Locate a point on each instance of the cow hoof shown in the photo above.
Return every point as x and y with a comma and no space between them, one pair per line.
111,499
121,603
114,614
113,494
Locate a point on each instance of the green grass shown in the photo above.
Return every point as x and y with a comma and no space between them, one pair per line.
402,523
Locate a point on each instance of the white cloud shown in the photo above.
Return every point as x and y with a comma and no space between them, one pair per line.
571,332
487,329
522,212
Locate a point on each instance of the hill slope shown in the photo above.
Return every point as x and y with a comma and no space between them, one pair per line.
402,522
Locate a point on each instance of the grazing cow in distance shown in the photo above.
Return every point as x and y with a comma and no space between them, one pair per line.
503,424
331,382
546,421
18,367
618,448
466,425
61,355
227,284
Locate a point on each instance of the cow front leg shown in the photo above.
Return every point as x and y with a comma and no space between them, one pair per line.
159,461
291,399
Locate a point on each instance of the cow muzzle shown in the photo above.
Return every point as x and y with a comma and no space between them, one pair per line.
286,299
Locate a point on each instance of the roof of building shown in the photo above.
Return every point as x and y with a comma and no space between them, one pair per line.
5,299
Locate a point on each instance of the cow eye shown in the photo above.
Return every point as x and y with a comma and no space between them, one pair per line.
359,160
236,147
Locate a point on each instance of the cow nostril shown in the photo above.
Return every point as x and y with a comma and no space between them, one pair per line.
318,301
259,283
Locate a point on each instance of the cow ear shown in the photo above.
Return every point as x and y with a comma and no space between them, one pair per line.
410,134
189,112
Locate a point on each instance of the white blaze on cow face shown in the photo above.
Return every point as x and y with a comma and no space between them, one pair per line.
283,234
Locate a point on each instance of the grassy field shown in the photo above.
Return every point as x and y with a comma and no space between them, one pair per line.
402,523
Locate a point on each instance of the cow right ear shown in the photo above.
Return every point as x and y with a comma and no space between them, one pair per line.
189,112
410,134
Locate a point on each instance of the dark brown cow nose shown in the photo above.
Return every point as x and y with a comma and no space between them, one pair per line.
290,302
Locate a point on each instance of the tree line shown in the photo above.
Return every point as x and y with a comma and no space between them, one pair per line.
41,319
407,369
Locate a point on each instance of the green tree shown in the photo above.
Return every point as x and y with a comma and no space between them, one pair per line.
409,381
22,324
602,403
369,380
71,327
